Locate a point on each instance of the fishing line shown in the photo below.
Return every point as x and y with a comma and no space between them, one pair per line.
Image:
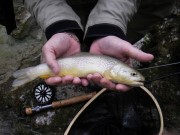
158,66
162,77
158,108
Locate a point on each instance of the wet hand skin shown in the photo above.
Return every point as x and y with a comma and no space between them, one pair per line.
120,49
62,45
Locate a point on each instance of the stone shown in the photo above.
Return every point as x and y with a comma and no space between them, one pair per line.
23,49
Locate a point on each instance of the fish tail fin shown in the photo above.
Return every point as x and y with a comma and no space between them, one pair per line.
24,76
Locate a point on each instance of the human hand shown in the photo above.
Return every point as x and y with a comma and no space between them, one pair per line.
61,45
120,49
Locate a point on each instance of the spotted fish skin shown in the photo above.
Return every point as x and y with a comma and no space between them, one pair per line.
80,65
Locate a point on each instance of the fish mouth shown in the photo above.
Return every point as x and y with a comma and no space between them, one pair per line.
141,83
138,83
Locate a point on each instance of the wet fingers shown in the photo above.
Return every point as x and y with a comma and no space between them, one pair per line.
107,84
76,80
121,87
67,79
84,82
54,80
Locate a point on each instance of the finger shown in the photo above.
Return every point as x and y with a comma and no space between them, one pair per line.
54,80
96,77
137,54
106,83
76,80
84,82
50,58
121,87
89,77
67,79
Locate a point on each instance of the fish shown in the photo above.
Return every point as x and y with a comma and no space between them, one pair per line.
80,65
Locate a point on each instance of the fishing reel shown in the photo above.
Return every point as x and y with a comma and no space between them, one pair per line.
43,93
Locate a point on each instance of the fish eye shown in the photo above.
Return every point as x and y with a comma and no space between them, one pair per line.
133,73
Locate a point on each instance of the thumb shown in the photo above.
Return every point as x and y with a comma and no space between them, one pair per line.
50,59
52,63
137,54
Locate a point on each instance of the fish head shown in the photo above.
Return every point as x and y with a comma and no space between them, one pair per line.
126,75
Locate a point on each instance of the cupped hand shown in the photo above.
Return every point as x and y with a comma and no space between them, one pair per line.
120,49
61,45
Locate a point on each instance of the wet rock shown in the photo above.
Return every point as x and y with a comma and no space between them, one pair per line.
3,36
24,21
15,54
6,125
164,45
45,120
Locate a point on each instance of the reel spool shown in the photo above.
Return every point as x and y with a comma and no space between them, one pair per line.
44,93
